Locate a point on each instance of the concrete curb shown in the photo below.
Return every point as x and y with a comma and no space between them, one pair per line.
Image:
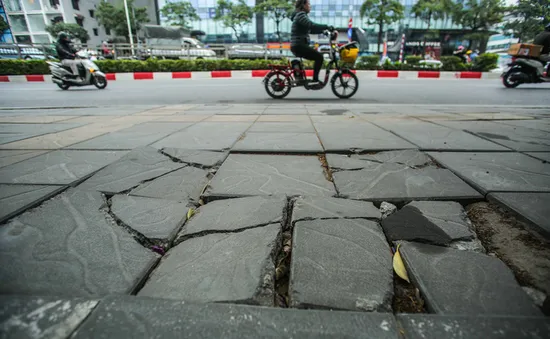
142,76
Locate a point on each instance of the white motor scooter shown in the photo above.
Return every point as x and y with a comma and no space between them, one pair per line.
88,70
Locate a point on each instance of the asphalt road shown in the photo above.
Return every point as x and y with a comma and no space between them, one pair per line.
211,91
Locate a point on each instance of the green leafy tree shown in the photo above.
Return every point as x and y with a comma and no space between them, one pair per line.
530,17
3,25
276,10
428,10
114,18
381,13
234,15
479,16
180,13
73,30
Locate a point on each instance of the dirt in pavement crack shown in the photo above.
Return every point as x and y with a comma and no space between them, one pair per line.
283,257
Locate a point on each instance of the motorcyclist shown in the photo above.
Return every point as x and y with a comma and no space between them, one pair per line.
66,53
302,26
543,39
461,53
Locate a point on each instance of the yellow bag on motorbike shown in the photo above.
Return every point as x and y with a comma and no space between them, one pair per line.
349,54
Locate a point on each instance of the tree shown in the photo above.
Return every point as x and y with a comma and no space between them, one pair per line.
114,18
479,16
381,13
428,10
234,15
277,10
72,29
3,25
529,18
180,13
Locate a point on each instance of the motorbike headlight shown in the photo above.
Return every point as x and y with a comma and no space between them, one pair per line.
92,70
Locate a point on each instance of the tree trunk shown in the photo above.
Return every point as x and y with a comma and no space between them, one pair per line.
427,31
236,34
380,28
277,23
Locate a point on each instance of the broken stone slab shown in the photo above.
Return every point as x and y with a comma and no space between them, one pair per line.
196,157
67,247
279,142
231,215
433,326
462,282
309,208
153,218
245,175
387,209
228,267
411,158
42,317
15,199
341,264
141,164
183,185
126,317
435,222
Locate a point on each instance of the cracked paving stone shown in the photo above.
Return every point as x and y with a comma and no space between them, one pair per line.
17,198
67,247
435,222
245,175
183,185
141,164
411,158
530,206
395,182
228,267
154,218
197,157
146,318
309,208
461,282
490,172
235,214
341,264
279,142
42,317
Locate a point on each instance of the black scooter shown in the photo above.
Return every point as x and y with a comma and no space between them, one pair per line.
525,70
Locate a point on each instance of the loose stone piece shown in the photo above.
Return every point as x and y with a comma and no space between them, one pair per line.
308,208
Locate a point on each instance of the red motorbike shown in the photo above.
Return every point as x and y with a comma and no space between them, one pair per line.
344,83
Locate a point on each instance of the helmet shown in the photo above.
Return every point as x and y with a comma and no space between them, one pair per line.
460,48
62,36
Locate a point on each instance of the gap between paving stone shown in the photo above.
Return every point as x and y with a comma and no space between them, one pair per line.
283,258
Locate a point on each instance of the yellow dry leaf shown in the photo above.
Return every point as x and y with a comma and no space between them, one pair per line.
190,213
398,265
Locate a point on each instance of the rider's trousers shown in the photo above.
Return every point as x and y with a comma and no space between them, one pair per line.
73,64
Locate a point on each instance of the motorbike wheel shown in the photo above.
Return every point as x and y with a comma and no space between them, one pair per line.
346,81
507,82
64,86
277,85
100,82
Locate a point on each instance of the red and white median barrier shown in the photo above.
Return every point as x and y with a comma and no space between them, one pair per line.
148,76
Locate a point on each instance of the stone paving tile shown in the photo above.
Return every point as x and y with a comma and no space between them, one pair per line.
183,185
463,282
283,118
153,218
131,317
541,155
57,167
33,119
489,172
286,127
230,215
279,142
431,326
395,182
141,164
231,118
309,208
341,264
344,137
17,198
410,158
67,247
12,157
530,206
182,118
196,157
226,267
15,132
428,136
244,175
42,317
540,124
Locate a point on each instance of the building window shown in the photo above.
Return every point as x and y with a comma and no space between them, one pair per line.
75,5
54,18
13,5
107,31
36,22
79,21
41,39
96,33
31,5
23,39
91,13
18,23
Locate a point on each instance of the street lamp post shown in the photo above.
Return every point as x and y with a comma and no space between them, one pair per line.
129,26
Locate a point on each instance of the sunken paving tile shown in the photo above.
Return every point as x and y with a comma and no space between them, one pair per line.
230,215
279,142
411,158
153,218
139,165
530,206
432,326
310,208
12,157
58,167
226,267
68,247
245,175
435,222
341,264
199,158
145,318
462,282
287,127
17,198
42,317
490,172
183,185
368,180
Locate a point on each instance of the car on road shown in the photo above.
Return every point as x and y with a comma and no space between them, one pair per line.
25,52
248,52
188,49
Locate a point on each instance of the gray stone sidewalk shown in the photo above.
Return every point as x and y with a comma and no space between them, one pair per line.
254,220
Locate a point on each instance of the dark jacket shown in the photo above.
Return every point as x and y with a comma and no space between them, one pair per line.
65,51
543,39
302,26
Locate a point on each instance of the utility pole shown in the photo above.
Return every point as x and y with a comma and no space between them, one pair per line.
129,27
